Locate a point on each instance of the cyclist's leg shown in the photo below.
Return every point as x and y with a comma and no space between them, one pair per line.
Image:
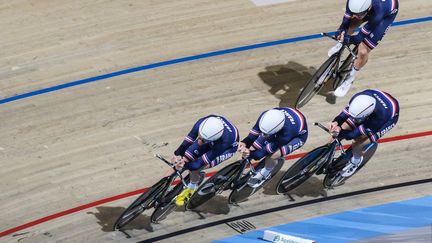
371,41
358,145
272,160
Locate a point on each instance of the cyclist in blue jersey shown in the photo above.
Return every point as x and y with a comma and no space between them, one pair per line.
212,140
277,132
369,115
378,16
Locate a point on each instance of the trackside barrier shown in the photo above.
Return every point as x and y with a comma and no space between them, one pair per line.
273,236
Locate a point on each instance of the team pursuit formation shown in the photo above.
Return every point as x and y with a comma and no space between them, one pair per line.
280,131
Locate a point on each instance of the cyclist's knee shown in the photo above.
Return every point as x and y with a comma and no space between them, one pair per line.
362,140
363,51
276,155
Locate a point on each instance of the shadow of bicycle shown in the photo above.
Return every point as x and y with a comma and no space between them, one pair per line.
287,80
107,216
313,187
216,205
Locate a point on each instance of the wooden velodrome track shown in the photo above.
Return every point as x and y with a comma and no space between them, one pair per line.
70,147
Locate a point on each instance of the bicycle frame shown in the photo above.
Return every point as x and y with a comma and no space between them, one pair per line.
236,181
335,145
337,71
171,177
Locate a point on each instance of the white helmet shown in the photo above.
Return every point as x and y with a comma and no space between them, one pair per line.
359,6
211,129
272,121
362,106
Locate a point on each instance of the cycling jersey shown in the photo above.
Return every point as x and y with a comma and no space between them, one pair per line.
383,118
211,153
292,136
379,18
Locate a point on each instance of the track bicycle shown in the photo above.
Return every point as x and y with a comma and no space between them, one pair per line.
336,67
322,160
161,196
232,177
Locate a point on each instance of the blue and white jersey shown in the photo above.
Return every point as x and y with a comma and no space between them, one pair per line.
209,151
291,137
379,18
379,122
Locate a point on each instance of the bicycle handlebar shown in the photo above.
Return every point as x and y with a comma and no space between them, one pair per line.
335,137
322,126
329,36
178,172
164,160
344,45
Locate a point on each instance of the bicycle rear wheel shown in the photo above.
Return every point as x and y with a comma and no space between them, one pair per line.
317,81
301,170
215,184
243,191
334,176
143,202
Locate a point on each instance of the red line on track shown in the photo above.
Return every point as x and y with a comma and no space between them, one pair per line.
139,191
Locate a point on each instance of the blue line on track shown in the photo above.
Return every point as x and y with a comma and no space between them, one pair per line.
184,59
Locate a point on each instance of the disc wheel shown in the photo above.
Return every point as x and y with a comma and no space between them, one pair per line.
302,169
215,184
334,176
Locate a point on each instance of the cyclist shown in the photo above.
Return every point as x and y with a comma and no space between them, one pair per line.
212,140
378,15
277,132
369,115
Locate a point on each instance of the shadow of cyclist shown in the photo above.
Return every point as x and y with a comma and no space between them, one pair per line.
313,187
108,215
287,80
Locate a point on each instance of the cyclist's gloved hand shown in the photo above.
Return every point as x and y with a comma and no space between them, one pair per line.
339,32
346,40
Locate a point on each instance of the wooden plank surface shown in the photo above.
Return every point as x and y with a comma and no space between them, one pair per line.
73,146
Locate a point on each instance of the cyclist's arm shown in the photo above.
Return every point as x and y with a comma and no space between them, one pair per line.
368,28
346,20
253,134
273,146
269,149
189,139
342,117
357,132
212,154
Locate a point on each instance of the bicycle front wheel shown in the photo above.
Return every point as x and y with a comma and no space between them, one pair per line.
317,81
143,202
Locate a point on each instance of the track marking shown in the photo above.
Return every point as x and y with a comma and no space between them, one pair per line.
288,206
139,191
185,59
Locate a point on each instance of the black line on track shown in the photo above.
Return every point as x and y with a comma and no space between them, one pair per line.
294,205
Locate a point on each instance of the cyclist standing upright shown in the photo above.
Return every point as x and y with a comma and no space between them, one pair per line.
212,140
378,15
369,115
277,132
